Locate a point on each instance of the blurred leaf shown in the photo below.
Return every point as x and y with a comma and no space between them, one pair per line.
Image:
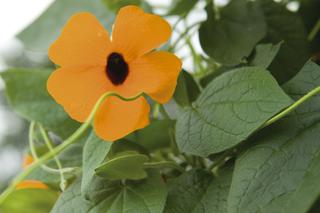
280,172
231,108
231,37
144,196
115,5
309,11
265,53
27,94
154,136
187,89
29,201
182,7
125,145
199,191
94,153
44,30
285,26
124,166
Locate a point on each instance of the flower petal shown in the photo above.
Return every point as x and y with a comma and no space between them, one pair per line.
136,32
78,88
83,41
155,74
117,118
31,184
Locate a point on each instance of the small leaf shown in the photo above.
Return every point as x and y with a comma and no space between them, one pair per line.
187,89
231,37
125,145
29,201
231,108
143,196
126,166
94,153
27,94
155,136
265,53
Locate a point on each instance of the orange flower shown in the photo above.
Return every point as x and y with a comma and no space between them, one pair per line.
30,184
93,63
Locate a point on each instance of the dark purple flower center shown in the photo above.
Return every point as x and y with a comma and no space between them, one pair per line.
117,69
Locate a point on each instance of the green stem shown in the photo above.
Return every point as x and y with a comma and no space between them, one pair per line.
314,31
310,94
47,140
221,159
174,44
164,112
164,164
73,138
156,109
33,149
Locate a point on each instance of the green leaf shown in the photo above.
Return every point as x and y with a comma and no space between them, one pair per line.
232,36
182,7
199,191
309,190
144,196
29,201
71,200
94,153
125,166
27,94
115,5
125,145
187,89
231,108
309,12
280,168
49,25
285,26
205,80
265,53
155,136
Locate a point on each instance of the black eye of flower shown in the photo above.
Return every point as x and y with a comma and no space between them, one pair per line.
117,69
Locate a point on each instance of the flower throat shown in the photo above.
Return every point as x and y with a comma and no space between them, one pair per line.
117,69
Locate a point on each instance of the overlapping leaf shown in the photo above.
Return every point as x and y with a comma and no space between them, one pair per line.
272,175
230,36
231,108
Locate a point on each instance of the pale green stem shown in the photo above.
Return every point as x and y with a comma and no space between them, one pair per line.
76,135
174,44
164,112
47,140
292,107
164,164
314,31
33,149
35,155
156,110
